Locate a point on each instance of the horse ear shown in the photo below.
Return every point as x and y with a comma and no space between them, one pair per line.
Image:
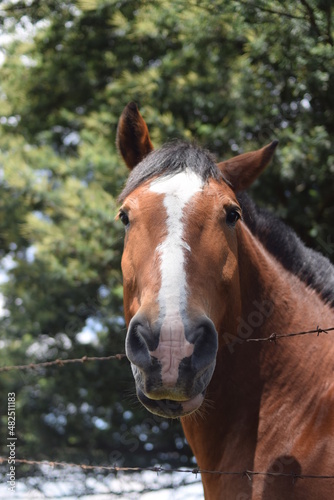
241,171
132,140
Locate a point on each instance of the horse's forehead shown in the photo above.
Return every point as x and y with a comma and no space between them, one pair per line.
174,192
179,188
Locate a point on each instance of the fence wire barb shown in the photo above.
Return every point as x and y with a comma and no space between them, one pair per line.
274,337
159,468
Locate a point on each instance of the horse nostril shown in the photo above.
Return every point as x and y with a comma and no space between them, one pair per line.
136,347
206,345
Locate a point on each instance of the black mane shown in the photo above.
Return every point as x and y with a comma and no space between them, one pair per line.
280,240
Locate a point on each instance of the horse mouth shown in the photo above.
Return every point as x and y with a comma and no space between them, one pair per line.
170,408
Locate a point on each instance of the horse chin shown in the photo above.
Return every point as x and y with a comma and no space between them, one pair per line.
168,408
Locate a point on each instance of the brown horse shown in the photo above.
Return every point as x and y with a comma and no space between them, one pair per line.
205,271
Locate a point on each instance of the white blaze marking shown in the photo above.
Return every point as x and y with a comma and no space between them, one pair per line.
178,191
173,345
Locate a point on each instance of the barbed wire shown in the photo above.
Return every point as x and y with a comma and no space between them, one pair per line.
274,337
61,362
158,469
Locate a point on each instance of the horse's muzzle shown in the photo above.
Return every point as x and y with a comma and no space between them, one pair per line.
170,408
172,364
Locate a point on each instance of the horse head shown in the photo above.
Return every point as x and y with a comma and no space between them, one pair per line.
180,261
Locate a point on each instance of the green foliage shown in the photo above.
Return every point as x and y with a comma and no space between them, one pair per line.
232,75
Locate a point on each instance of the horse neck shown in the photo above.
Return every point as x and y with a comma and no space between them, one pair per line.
249,375
267,289
272,300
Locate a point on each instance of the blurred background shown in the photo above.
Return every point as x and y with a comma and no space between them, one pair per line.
233,75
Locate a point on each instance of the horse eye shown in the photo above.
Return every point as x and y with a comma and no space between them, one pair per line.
232,217
124,218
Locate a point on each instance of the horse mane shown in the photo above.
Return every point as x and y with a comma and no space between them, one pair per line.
172,158
280,240
283,243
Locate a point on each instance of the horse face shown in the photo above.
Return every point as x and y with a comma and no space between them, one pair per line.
179,261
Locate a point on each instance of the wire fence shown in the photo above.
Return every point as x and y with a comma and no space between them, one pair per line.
159,469
62,362
274,337
249,474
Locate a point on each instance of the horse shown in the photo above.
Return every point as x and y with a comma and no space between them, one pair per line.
207,275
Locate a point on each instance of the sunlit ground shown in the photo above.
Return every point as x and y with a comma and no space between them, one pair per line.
73,485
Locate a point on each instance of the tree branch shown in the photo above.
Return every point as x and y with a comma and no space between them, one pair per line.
311,16
270,11
329,25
